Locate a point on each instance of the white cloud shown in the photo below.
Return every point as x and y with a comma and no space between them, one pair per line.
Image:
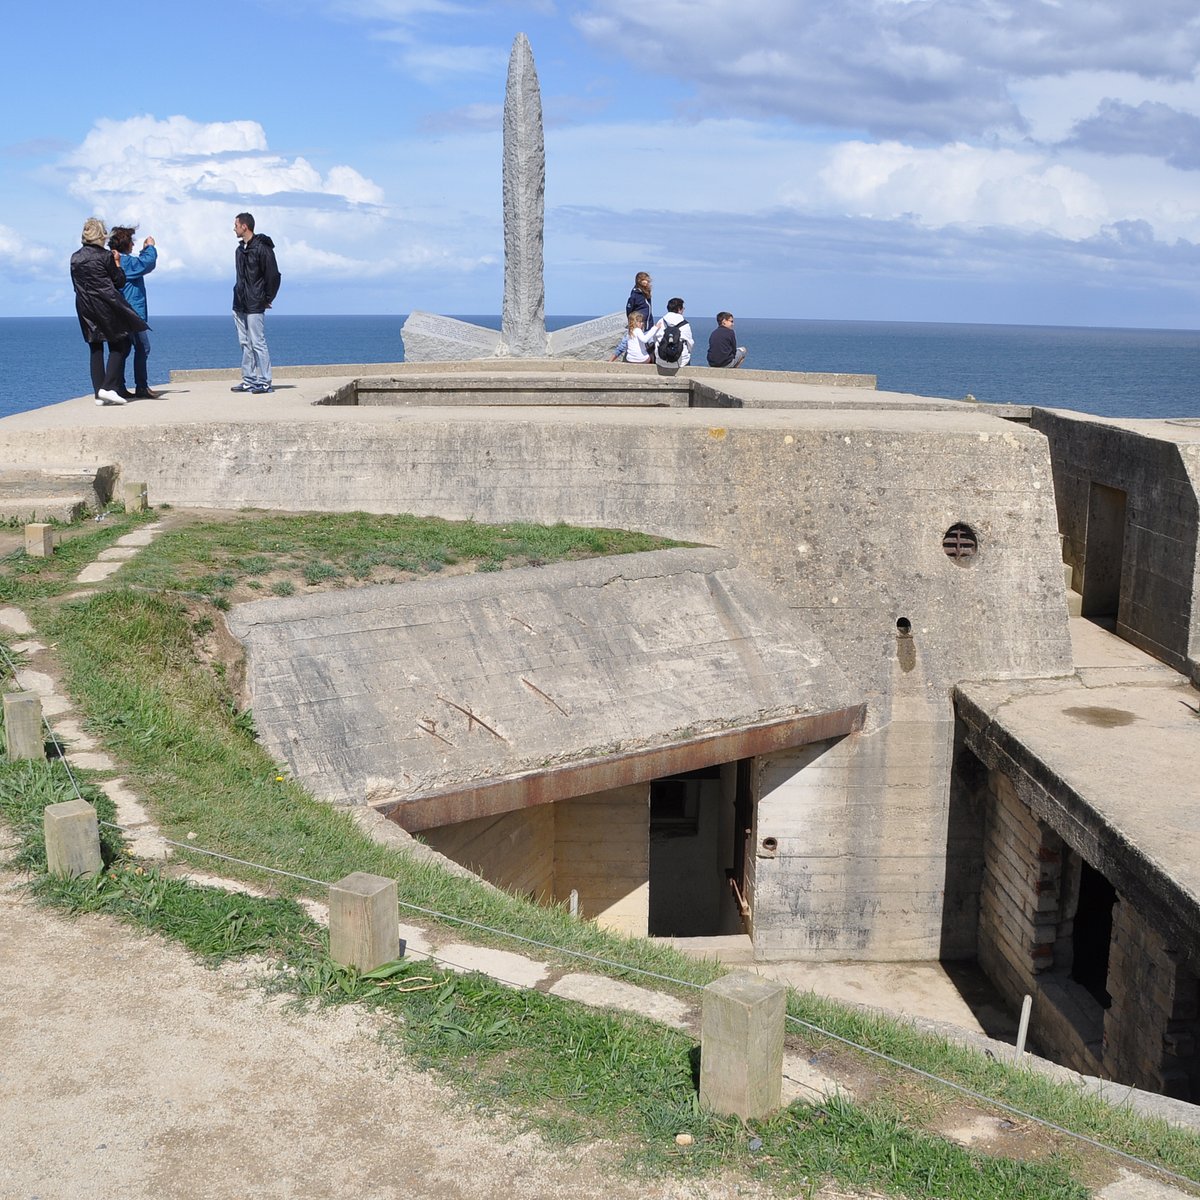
964,185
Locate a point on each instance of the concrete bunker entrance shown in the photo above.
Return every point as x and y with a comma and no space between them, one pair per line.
701,824
666,857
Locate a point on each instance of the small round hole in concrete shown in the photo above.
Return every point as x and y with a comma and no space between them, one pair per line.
960,543
903,627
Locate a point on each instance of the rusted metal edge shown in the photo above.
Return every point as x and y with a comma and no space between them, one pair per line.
564,781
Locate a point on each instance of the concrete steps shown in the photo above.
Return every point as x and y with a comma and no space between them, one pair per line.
52,493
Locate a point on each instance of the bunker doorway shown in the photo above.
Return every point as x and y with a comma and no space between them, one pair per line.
701,823
1092,933
1104,555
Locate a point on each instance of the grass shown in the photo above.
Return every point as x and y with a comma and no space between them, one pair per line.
24,578
289,553
131,663
575,1073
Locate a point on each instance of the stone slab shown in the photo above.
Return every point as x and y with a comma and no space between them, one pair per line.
595,339
117,554
428,337
14,620
95,572
504,966
140,537
598,991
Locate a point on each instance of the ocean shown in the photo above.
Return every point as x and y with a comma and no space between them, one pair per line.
1110,372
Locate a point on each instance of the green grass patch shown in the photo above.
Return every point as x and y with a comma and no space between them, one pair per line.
212,557
24,578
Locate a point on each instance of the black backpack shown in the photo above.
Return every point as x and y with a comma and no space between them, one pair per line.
670,344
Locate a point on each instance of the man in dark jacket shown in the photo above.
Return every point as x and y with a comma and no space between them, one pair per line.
104,313
256,283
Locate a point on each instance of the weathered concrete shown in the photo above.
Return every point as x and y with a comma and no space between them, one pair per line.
1153,471
23,735
741,1046
840,512
72,839
1112,770
35,489
427,697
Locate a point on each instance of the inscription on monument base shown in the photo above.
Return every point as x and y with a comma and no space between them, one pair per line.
430,338
589,340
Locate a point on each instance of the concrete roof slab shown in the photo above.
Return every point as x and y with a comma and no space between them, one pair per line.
421,696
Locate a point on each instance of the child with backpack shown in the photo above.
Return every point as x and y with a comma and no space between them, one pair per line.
672,339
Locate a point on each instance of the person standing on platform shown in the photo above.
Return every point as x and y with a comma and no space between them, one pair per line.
136,268
723,350
256,283
104,313
639,300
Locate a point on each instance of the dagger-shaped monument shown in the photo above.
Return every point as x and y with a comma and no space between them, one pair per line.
429,338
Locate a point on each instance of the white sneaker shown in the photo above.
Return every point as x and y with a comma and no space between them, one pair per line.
107,397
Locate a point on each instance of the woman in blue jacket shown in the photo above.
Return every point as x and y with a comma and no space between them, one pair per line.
136,268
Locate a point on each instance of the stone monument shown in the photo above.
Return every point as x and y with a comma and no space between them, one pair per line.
429,338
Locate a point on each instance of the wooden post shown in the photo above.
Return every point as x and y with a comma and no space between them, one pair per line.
364,921
72,839
741,1046
135,497
39,540
23,737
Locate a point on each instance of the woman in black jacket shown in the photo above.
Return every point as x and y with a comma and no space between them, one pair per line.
104,313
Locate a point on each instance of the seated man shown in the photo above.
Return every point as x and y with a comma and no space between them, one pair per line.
672,339
723,350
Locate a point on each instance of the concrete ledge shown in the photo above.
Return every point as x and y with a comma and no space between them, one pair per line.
518,366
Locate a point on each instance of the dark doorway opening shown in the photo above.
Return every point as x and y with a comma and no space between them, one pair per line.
1092,935
701,837
1104,554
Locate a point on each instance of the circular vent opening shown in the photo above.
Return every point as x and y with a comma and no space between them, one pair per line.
960,543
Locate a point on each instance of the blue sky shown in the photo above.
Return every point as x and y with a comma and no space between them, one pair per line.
1016,161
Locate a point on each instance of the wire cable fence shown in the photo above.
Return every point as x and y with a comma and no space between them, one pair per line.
643,972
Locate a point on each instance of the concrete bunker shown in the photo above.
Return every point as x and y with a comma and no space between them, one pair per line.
1100,934
602,728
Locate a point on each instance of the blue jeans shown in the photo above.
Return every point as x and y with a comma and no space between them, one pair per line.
141,351
256,359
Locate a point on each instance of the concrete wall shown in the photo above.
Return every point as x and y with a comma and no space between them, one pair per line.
1159,473
601,849
1152,1030
515,851
840,513
1029,905
596,844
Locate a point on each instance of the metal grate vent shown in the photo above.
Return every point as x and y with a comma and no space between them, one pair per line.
960,543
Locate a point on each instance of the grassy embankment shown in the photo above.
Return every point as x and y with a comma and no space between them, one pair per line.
130,660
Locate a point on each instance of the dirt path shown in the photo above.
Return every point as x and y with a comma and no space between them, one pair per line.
130,1070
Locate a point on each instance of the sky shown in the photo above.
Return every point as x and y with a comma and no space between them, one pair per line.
1007,161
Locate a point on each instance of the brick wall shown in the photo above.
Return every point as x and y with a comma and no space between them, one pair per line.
1152,1029
1029,895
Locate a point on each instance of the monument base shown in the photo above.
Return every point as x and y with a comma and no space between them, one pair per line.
430,338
